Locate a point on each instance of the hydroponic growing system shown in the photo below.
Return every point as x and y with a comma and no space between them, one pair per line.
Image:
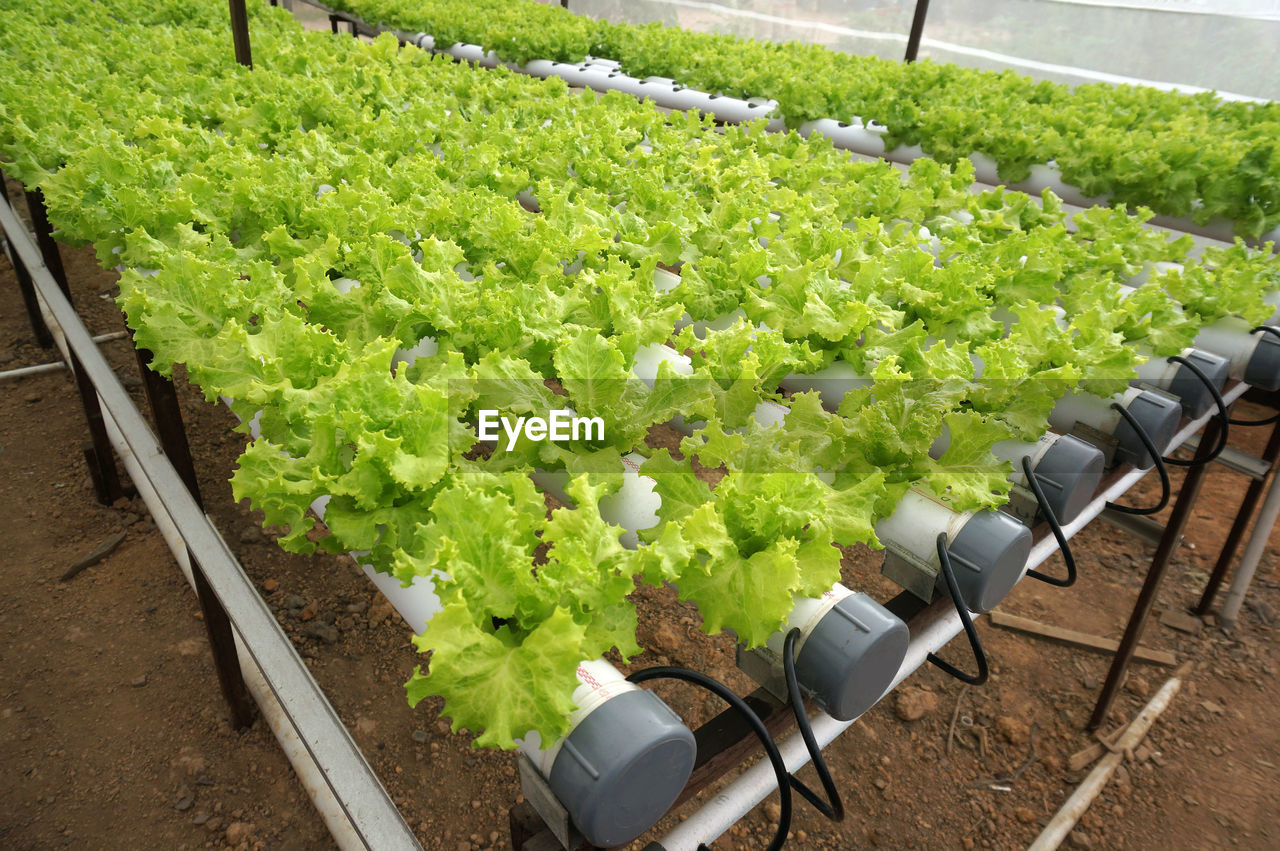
438,296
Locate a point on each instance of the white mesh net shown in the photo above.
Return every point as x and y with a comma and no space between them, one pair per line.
1229,45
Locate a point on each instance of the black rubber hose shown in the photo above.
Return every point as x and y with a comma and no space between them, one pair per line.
966,620
1222,415
833,810
1159,462
723,692
1054,527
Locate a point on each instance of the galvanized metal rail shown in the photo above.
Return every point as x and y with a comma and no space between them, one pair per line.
363,802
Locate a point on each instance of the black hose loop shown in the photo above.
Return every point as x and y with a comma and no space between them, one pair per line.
966,620
833,810
1223,416
723,692
1055,527
1159,462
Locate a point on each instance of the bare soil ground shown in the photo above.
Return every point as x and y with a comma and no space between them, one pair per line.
113,733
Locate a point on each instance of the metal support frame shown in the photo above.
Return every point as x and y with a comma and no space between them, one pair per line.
336,18
162,396
98,454
1244,515
41,332
324,742
917,30
240,32
1155,576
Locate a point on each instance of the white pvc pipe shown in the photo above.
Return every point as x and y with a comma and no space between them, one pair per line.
930,630
1252,554
23,371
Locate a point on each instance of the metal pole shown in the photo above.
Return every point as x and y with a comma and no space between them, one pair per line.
1155,575
102,465
43,338
240,32
167,414
1252,555
1247,506
917,30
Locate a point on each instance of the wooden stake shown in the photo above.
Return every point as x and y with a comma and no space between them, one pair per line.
1078,639
1065,819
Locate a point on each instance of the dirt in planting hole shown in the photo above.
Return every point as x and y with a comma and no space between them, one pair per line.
113,733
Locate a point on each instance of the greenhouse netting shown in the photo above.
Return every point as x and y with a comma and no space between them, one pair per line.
1227,45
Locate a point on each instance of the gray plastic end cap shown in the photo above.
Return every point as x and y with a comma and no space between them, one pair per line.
1159,417
987,558
1069,473
852,655
1263,369
622,767
1190,390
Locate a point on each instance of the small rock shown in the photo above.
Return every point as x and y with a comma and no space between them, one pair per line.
252,535
880,783
309,612
912,704
204,780
1121,780
1024,814
270,585
1090,682
294,602
1265,613
138,681
31,398
463,845
772,811
321,630
1079,839
6,355
1138,686
129,518
665,639
1210,706
357,607
237,832
213,824
200,818
1012,730
420,736
442,728
380,612
1181,621
185,800
475,804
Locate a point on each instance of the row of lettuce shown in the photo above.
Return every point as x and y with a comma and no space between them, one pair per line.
1178,154
291,230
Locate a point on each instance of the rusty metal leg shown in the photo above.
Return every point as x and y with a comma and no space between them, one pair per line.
163,399
41,331
105,477
1155,575
1248,506
240,32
